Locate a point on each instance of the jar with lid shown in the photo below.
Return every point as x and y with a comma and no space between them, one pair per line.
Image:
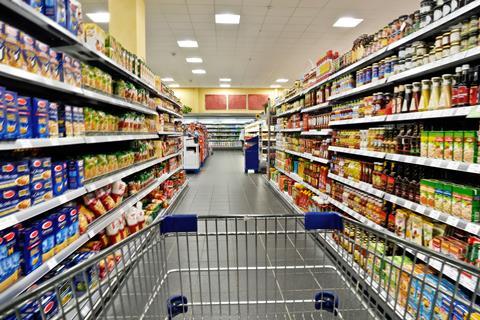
455,47
464,43
438,42
473,24
409,51
416,21
446,51
447,7
393,63
455,35
426,59
435,93
420,49
415,62
400,98
416,93
438,12
381,70
401,53
400,66
426,6
368,75
438,53
445,101
454,5
426,19
375,72
425,96
388,67
464,29
446,39
472,40
408,64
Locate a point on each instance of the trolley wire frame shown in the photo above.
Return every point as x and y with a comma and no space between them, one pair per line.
237,267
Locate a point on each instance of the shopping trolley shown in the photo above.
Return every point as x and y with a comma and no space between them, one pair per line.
317,266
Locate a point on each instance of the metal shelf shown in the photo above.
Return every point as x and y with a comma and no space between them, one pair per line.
290,130
436,163
288,112
357,121
317,107
366,153
303,183
169,133
322,132
305,155
166,110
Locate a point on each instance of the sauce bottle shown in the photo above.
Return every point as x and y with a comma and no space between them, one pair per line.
407,100
474,84
463,87
455,81
434,94
425,96
446,92
416,92
400,98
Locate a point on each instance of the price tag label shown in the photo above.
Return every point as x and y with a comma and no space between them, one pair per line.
473,228
452,220
420,209
52,263
434,214
452,165
91,234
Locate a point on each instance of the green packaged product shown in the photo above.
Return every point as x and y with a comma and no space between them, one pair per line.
458,146
470,146
448,145
447,189
424,144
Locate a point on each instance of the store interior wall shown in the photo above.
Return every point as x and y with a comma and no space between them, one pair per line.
195,97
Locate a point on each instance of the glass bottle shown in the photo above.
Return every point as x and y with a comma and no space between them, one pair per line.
455,81
435,93
400,98
425,96
394,100
474,85
416,91
463,87
407,100
446,92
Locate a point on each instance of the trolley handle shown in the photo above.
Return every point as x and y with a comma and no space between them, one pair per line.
323,221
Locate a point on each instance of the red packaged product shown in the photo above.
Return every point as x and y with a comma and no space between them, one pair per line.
94,204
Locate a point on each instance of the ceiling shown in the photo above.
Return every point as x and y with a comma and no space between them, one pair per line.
275,38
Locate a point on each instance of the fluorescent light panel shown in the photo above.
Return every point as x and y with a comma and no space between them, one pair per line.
282,80
167,79
99,17
347,22
198,71
187,43
227,18
225,79
225,85
194,60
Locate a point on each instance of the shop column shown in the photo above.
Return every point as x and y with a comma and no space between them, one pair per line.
127,24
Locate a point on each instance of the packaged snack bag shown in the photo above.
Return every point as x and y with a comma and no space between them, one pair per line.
47,233
24,117
56,10
94,204
40,118
11,115
105,198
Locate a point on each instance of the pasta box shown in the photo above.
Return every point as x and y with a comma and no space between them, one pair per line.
74,16
73,230
36,4
9,258
75,174
65,121
30,244
29,52
40,118
43,58
18,171
24,114
61,230
56,10
47,231
58,178
54,64
53,120
11,115
2,108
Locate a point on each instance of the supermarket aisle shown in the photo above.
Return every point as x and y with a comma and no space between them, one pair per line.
223,188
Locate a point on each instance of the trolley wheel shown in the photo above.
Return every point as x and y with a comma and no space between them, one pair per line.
176,305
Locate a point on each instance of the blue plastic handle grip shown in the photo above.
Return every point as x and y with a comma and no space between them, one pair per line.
323,221
179,223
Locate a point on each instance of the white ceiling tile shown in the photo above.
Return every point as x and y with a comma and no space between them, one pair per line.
177,18
312,3
174,9
248,10
279,11
201,18
305,12
295,28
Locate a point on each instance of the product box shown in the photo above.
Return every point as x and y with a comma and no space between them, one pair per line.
47,233
41,196
20,201
30,244
73,223
74,16
2,112
65,68
29,52
58,178
65,121
11,115
75,174
458,146
43,58
424,144
2,44
24,117
16,173
53,120
13,48
61,231
40,165
54,65
94,36
77,72
9,258
56,10
448,145
36,4
40,118
470,146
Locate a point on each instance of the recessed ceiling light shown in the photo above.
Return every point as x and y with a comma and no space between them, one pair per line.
99,17
167,79
347,22
282,80
187,43
174,85
224,85
194,60
275,86
198,71
225,79
227,18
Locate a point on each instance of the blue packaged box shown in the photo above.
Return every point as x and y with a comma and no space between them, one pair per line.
75,174
24,114
3,112
53,120
41,196
29,52
56,10
11,115
40,118
74,16
61,230
48,237
58,178
42,52
9,258
13,170
65,175
65,121
40,168
30,244
36,4
73,224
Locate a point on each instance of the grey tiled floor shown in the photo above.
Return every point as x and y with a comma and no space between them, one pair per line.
223,188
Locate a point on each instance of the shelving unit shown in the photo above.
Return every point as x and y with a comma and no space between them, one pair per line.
290,127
